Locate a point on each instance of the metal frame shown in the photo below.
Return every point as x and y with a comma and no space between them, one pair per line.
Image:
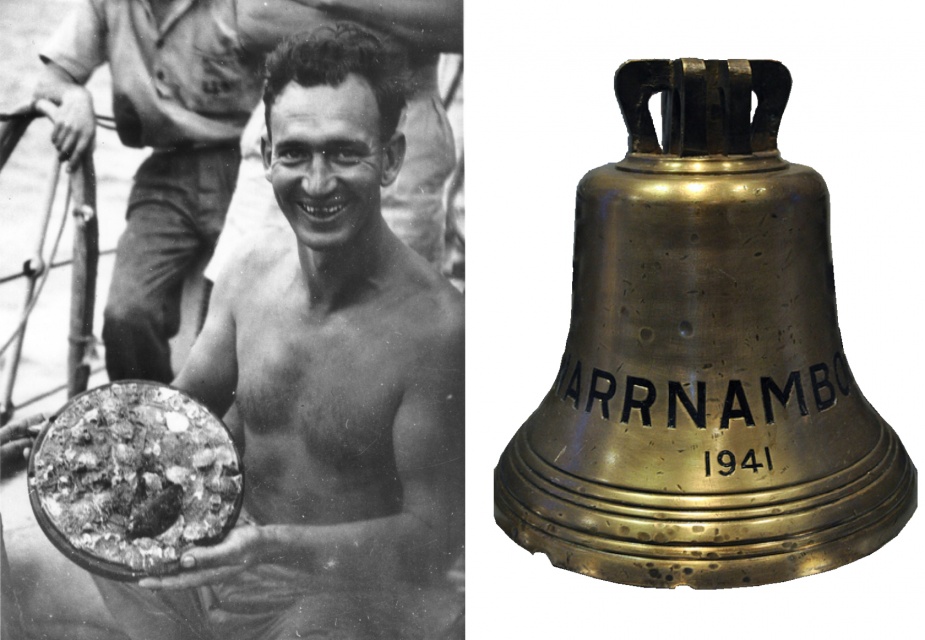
81,204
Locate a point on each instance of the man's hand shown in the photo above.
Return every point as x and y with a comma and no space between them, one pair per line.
75,125
15,442
211,565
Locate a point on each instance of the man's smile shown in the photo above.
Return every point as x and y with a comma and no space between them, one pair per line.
323,209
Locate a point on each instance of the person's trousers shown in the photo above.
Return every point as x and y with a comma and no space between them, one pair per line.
271,602
176,211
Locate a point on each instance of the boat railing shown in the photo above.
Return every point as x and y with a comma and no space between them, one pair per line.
80,206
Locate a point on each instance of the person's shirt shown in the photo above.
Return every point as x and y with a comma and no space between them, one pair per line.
187,81
196,78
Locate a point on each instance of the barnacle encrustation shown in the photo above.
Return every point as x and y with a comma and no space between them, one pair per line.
136,473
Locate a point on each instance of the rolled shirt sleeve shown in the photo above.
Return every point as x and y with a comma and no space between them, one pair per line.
186,81
79,44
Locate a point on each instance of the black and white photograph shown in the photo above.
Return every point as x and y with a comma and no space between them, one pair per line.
261,376
233,318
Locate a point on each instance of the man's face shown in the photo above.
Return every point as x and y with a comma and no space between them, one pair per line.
326,160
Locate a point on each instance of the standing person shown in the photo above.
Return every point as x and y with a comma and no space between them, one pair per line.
186,76
344,352
184,84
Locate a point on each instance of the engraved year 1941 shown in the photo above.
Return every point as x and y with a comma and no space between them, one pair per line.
728,463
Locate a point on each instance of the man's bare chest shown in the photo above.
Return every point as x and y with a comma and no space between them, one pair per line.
335,386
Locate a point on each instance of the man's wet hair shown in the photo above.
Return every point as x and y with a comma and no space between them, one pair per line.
328,54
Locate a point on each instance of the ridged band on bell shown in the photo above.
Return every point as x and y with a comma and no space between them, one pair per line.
704,427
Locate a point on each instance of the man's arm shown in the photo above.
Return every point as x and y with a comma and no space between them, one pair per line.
77,47
74,123
433,24
210,373
428,25
417,543
16,440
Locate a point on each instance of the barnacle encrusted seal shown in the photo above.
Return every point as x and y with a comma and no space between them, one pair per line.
131,474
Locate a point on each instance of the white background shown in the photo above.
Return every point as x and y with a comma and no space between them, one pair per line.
540,112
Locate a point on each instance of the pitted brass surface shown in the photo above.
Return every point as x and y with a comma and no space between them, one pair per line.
704,427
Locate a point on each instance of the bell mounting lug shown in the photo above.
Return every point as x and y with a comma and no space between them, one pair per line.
705,105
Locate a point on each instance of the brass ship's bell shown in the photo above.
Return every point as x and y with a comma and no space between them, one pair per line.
704,427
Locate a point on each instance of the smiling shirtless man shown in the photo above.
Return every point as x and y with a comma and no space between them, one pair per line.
344,352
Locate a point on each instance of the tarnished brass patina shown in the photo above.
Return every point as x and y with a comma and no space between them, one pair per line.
704,428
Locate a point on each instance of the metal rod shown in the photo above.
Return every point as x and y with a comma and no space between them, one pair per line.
61,387
83,277
11,365
11,132
54,265
50,193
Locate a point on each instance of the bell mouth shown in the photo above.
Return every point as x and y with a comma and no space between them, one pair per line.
758,162
704,541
